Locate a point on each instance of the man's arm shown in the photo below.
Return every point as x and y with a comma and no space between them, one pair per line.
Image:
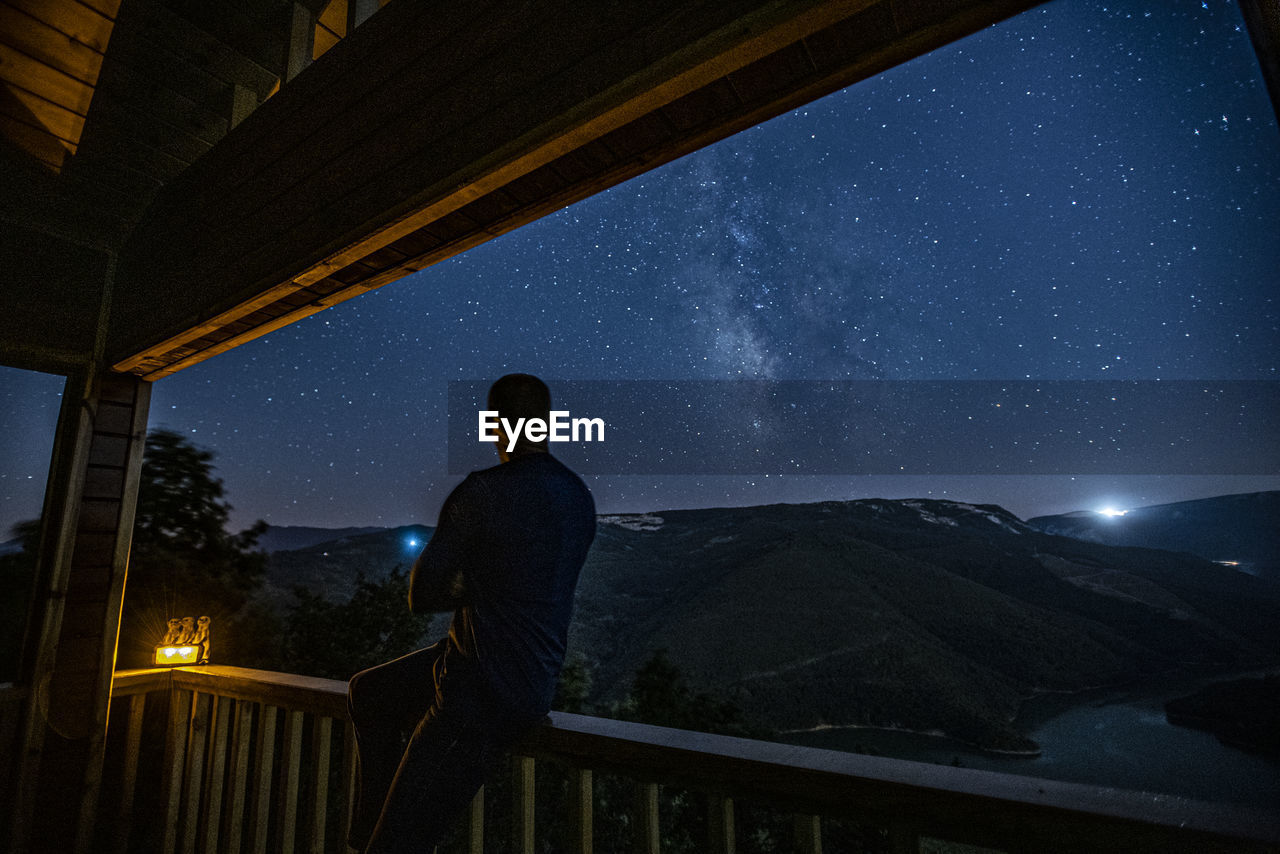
438,580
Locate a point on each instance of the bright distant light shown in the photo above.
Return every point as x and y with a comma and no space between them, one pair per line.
412,542
1111,511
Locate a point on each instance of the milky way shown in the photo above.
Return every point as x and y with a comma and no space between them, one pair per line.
1087,191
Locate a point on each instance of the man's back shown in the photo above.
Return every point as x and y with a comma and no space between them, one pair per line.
517,534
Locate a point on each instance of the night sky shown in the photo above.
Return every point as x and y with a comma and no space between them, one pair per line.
1089,191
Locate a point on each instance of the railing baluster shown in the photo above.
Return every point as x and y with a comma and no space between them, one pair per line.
522,792
192,800
241,740
175,753
217,773
648,835
580,802
290,778
264,759
350,766
475,828
321,745
903,839
808,834
129,783
720,826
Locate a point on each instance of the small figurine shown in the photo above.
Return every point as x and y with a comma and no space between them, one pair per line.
188,631
202,640
175,632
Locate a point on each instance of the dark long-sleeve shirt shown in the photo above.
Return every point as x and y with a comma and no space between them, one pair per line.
505,556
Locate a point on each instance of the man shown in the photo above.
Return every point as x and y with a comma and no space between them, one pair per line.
505,559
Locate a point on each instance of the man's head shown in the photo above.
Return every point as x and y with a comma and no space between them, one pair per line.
517,396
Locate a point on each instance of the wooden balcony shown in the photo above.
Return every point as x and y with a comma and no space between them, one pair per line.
205,759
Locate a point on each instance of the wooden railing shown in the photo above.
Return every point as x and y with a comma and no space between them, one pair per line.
210,759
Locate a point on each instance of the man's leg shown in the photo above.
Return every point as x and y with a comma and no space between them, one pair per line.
443,767
386,703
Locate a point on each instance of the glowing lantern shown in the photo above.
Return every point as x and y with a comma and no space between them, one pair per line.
186,642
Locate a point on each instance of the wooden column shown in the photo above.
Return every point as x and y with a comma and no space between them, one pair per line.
70,647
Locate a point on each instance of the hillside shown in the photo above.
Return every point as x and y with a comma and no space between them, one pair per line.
1240,528
330,567
924,615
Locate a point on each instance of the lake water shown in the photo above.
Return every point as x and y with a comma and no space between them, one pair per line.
1110,737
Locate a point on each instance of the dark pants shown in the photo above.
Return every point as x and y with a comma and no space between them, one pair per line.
408,797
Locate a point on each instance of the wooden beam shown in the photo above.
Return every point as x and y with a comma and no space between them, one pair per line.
84,548
302,33
1262,18
429,110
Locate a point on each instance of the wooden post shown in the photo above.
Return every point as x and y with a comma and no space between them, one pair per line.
321,746
175,756
580,802
721,837
290,779
808,834
263,762
648,834
241,740
522,804
129,781
70,647
475,829
350,768
198,749
217,773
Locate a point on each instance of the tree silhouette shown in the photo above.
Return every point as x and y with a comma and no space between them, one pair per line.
183,562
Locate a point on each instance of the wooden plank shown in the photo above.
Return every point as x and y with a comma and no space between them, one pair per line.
581,805
74,20
47,82
151,129
807,834
290,780
721,830
193,799
160,89
321,748
648,839
350,770
30,109
241,742
243,102
302,32
43,146
49,46
129,777
475,824
175,760
522,804
252,30
219,747
263,765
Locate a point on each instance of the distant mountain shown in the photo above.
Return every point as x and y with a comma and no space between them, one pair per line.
278,538
923,615
330,567
1240,528
918,614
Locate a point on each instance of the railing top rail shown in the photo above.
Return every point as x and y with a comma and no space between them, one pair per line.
939,798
